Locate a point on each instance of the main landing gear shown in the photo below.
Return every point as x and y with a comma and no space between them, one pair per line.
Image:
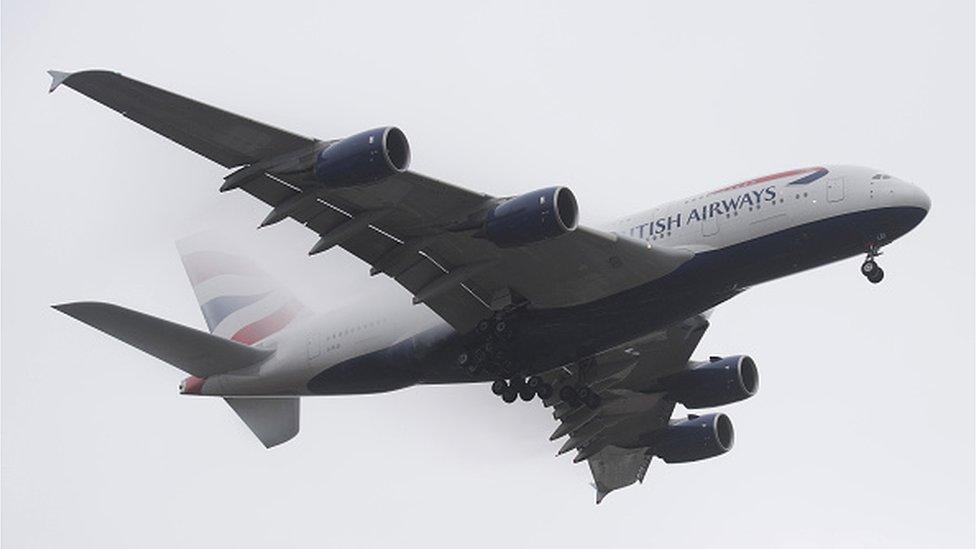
519,387
870,268
491,356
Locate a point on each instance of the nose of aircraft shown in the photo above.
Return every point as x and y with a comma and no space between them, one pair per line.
918,198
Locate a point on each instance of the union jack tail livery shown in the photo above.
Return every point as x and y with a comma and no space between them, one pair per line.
239,300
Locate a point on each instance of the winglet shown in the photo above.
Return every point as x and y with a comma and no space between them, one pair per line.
57,78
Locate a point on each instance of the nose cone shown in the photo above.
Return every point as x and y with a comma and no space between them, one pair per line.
912,205
918,203
918,198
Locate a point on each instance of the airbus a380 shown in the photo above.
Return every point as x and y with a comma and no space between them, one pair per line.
598,323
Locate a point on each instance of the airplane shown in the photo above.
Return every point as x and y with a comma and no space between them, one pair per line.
598,323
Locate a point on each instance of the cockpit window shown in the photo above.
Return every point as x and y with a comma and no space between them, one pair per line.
881,176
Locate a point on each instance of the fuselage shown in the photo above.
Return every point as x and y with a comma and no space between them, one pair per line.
741,235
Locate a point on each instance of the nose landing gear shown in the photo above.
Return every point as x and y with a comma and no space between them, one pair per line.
870,268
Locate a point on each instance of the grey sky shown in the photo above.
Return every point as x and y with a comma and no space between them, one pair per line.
862,434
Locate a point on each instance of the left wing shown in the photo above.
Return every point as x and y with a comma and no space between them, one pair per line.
411,227
619,377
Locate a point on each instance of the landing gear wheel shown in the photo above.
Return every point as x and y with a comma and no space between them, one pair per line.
544,391
594,401
499,387
876,276
869,267
534,382
584,393
510,395
526,393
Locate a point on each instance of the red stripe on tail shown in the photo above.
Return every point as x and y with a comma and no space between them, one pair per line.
258,330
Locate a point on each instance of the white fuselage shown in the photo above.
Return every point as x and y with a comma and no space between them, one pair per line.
701,223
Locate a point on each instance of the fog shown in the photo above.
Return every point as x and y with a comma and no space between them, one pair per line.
862,434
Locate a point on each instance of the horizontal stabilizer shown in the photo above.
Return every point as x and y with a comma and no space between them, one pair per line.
272,420
195,352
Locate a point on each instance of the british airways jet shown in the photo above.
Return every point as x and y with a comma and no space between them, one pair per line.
598,323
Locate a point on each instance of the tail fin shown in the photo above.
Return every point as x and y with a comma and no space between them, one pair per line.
238,299
272,420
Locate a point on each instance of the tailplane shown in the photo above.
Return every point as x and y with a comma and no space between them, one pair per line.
195,352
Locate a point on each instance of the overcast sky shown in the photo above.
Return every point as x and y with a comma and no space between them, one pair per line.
862,434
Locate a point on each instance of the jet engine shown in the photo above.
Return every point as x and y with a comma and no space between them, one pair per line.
695,438
714,383
531,217
363,158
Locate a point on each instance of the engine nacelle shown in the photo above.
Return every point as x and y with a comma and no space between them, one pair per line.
721,381
695,438
363,158
531,217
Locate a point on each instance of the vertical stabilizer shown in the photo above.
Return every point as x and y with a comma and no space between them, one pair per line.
239,300
272,420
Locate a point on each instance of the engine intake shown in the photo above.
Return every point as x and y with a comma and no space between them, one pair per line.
715,383
531,217
363,158
695,438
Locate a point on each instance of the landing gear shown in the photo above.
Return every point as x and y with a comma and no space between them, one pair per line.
541,388
488,355
499,387
870,268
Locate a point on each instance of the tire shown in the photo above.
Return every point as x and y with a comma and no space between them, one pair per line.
526,393
584,393
876,276
510,395
544,391
594,401
499,387
868,267
483,326
535,382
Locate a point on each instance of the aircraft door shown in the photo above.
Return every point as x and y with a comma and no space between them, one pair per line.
835,189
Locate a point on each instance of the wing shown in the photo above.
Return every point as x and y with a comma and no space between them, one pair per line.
619,377
406,226
227,139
